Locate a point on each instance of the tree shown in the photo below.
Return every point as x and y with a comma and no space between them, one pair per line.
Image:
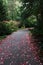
33,7
26,10
2,11
40,17
30,7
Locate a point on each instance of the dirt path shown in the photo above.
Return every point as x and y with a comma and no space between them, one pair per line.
17,49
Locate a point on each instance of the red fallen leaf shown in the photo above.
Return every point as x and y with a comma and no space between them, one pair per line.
36,58
8,36
2,59
1,62
11,63
10,54
29,64
24,64
40,63
28,56
0,49
0,41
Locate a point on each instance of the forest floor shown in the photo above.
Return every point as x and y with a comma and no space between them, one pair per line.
19,49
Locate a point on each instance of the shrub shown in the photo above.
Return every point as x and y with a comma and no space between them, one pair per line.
7,28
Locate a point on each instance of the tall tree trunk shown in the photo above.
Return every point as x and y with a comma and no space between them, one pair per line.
41,13
40,18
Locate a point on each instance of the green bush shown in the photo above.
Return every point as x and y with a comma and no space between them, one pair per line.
29,22
13,27
32,21
7,28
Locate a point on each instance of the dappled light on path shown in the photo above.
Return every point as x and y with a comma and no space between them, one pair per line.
17,49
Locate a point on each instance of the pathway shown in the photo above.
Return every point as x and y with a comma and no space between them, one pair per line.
17,49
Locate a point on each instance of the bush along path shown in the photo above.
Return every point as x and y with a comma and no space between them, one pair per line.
18,49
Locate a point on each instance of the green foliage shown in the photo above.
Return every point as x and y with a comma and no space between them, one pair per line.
2,37
13,9
29,22
33,7
2,11
29,8
12,26
4,29
26,9
32,21
7,28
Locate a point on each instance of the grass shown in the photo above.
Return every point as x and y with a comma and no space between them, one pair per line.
2,37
